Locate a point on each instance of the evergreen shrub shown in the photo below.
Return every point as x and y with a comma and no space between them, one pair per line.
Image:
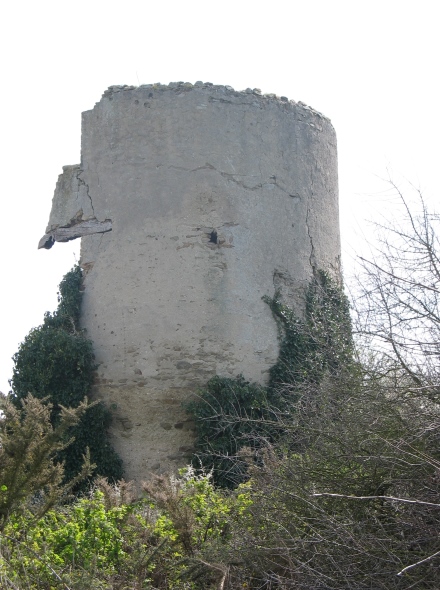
55,362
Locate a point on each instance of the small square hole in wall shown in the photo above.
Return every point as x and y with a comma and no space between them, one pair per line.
213,237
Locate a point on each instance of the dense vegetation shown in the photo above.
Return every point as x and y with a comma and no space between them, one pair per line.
232,413
338,461
55,363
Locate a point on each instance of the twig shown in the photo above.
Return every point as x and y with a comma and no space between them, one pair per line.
408,567
392,498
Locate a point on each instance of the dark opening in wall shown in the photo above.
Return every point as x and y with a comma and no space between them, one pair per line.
213,237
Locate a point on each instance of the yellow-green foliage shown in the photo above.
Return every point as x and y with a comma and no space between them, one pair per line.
100,542
193,510
83,535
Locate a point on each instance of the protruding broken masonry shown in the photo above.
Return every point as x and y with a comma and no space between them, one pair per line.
192,201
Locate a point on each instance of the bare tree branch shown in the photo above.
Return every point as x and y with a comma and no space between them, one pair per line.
390,498
408,567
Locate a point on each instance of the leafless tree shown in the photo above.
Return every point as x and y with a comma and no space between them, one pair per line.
352,499
358,507
398,297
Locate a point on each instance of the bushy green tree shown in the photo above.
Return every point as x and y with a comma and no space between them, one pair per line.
55,362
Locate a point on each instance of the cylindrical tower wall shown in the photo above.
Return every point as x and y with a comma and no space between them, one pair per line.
215,198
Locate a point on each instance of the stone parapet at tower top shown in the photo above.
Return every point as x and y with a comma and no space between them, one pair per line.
192,202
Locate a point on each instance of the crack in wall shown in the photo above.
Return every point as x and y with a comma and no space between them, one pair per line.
86,186
272,180
232,177
312,260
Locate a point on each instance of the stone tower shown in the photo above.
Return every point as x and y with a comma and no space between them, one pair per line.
192,201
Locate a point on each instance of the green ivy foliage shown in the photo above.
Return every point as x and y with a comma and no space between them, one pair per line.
317,345
56,363
230,414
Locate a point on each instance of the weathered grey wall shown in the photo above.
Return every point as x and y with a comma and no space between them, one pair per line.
193,203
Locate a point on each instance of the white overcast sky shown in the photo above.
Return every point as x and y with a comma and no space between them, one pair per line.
372,67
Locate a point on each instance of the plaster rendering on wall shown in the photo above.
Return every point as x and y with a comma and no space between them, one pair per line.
192,202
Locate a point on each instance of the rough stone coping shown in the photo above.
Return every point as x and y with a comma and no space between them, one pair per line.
188,86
